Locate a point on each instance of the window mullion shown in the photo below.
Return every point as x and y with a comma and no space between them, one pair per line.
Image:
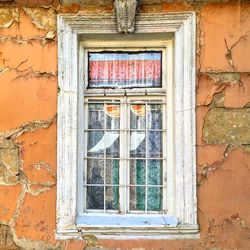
85,155
164,156
105,160
123,157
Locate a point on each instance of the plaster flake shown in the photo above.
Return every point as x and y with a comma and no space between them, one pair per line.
27,127
37,189
8,16
42,18
225,77
218,100
227,126
206,90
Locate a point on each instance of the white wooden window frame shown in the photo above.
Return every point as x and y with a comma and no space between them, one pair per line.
181,152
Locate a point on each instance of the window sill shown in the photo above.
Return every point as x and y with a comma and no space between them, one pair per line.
125,220
129,226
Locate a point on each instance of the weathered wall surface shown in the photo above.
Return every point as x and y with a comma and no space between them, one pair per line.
28,97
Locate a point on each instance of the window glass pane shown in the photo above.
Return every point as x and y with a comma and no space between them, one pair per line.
137,198
138,116
154,172
137,144
154,144
96,143
124,69
113,151
112,116
95,197
112,172
154,199
96,116
95,192
154,116
112,197
95,171
137,172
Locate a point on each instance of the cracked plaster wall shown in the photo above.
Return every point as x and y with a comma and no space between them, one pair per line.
28,97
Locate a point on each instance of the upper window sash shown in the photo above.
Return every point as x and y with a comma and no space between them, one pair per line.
166,70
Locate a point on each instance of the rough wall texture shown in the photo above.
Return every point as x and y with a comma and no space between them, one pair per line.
28,97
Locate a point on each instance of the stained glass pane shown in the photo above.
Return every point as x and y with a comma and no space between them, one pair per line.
120,69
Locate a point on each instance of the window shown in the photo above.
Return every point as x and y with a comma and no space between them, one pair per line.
126,134
125,158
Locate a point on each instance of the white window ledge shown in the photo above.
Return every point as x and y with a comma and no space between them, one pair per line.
129,226
126,220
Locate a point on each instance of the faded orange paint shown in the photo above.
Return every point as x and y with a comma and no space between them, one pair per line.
206,90
36,220
210,154
39,168
28,96
35,99
238,95
24,56
8,206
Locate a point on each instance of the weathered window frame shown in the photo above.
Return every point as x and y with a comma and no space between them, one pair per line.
182,202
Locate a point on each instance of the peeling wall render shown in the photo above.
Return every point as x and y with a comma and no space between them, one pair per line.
28,107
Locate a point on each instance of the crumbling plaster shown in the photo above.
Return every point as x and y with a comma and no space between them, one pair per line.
28,96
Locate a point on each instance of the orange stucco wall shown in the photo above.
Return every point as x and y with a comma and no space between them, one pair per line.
28,108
